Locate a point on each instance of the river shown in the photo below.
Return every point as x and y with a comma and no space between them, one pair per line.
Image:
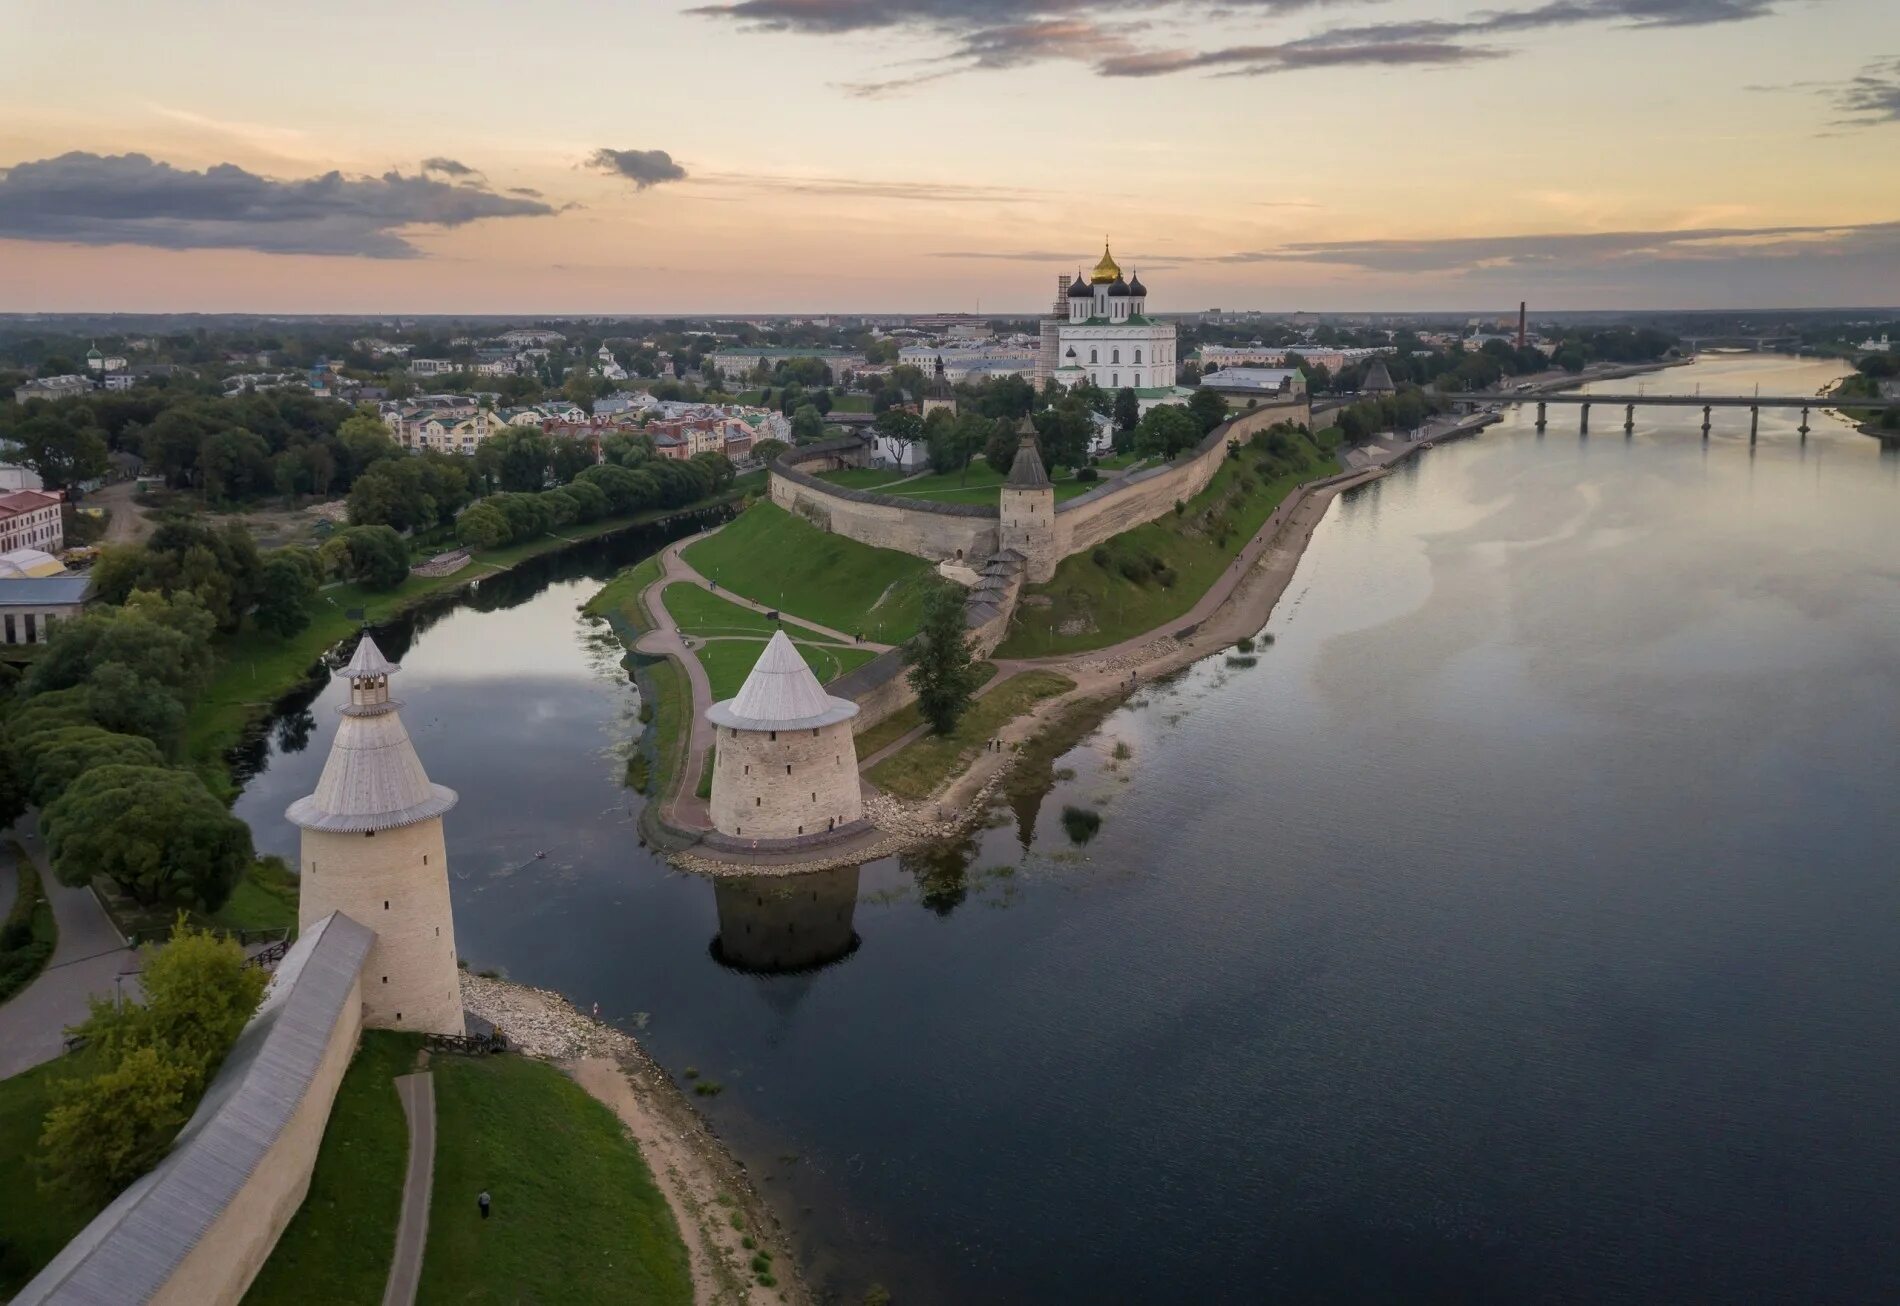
1524,926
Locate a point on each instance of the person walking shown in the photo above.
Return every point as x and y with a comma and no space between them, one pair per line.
482,1201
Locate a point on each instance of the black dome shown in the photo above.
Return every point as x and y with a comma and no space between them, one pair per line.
1119,287
1135,287
1080,289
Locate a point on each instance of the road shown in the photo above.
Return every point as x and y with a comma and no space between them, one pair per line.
86,962
126,522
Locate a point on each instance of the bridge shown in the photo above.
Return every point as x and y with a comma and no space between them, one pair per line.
1754,404
1759,344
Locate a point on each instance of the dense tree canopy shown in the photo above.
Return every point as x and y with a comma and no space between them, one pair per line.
941,668
157,834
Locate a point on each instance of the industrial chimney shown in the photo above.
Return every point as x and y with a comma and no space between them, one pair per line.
1520,324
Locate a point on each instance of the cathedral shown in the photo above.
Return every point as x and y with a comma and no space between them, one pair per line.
1108,337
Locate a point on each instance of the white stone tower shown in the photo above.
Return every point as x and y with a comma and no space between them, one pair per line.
373,850
1028,511
785,766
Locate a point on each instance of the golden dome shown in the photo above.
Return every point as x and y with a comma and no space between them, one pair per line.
1105,271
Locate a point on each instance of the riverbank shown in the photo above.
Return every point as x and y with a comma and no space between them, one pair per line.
727,1227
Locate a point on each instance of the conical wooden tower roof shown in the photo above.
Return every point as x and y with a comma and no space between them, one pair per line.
373,779
780,694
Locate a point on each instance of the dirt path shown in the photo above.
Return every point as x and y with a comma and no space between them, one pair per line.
126,523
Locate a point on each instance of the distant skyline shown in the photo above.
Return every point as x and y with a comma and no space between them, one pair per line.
812,156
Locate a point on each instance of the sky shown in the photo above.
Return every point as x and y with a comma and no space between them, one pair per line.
814,156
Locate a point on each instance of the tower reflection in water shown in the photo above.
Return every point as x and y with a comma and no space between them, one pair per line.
783,924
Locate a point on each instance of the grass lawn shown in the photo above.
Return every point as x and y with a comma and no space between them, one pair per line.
619,601
37,1223
906,719
1121,460
916,770
773,557
701,612
338,1246
576,1215
863,478
850,403
1196,546
672,699
729,661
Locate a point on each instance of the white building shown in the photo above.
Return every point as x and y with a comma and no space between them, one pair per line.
430,366
51,387
1109,338
103,363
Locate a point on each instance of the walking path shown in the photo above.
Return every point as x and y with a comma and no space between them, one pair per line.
86,962
417,1092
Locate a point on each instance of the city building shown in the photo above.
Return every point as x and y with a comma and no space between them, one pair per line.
1251,382
741,361
51,387
785,769
1109,338
30,519
103,363
1285,356
31,605
373,849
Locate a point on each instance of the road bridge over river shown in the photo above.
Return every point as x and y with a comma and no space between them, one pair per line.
1707,403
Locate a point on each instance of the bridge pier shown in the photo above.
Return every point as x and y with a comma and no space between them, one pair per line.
1754,422
1629,418
1705,421
1585,428
1804,423
1540,414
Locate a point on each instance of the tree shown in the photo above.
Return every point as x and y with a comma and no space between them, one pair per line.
589,499
626,448
579,388
157,834
483,526
1063,433
376,556
902,429
104,1132
291,580
63,453
941,669
1127,410
807,424
234,464
999,447
363,440
1208,408
766,451
166,642
521,458
1167,430
570,457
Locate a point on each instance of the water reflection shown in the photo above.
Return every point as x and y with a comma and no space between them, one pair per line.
782,924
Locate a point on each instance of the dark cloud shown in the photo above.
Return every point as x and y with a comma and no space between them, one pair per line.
988,34
643,168
529,191
1871,98
128,199
449,167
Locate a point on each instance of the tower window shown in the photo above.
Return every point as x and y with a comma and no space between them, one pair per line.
1115,378
773,735
425,859
1092,357
385,979
1137,355
385,904
757,801
1115,356
788,768
369,834
748,769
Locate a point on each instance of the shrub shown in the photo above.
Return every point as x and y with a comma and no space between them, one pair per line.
1165,577
1088,474
1099,556
1246,644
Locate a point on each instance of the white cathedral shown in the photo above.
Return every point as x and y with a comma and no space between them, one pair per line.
1108,337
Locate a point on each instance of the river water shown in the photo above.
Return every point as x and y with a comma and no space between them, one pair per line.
1523,927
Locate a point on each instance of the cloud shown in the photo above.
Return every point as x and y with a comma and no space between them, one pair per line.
529,191
449,167
992,34
643,168
129,199
1871,98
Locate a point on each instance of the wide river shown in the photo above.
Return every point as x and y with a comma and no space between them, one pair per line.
1523,927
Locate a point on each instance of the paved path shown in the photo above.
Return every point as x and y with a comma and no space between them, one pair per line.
417,1092
86,962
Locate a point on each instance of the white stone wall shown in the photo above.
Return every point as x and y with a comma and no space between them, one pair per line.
930,535
218,1269
1028,525
395,882
756,796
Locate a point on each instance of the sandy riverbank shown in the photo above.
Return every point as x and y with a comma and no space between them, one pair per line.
703,1183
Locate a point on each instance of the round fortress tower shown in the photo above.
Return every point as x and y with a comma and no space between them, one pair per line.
373,850
785,767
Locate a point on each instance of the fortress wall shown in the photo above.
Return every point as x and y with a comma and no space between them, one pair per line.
926,530
1131,501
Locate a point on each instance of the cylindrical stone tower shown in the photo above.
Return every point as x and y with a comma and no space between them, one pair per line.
373,850
785,767
1028,511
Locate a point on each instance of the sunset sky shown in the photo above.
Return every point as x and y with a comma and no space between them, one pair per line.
851,155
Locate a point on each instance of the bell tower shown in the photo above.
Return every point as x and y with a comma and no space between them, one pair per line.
373,849
1027,521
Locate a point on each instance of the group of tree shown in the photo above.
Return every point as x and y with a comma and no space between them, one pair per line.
604,489
942,671
148,1064
220,567
99,718
1405,411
